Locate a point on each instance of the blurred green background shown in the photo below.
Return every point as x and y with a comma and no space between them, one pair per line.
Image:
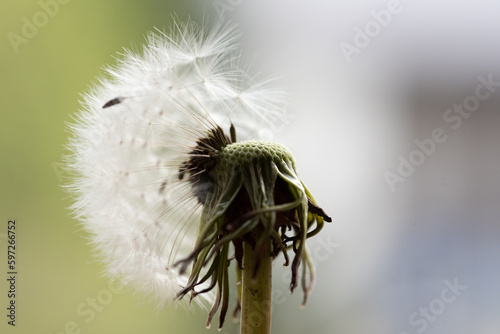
41,82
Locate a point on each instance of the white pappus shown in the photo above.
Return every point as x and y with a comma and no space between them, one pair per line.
136,128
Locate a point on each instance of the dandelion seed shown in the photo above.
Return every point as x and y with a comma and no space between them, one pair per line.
169,197
112,102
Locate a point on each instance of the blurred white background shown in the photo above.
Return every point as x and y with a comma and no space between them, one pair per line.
397,247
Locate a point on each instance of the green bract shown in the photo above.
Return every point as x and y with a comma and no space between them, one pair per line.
251,193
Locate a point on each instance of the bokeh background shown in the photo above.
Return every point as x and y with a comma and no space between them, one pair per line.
367,79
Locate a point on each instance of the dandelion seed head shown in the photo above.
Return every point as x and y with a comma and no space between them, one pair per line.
172,176
137,127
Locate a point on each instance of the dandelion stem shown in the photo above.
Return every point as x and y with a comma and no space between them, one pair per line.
256,293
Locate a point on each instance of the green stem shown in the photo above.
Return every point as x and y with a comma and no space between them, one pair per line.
256,294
